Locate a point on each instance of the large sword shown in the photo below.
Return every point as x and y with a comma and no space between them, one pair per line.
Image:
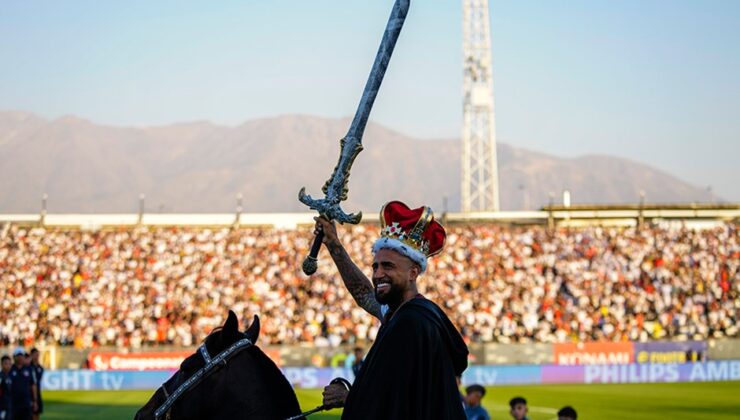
336,189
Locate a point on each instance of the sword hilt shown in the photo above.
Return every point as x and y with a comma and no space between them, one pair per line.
332,211
311,263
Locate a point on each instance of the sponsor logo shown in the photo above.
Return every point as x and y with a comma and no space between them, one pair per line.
594,353
147,361
726,370
136,361
670,352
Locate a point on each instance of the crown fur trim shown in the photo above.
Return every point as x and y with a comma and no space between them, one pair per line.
403,249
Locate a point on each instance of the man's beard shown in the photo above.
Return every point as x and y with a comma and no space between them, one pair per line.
392,297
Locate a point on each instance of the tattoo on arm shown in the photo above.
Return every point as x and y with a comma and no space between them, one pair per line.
357,283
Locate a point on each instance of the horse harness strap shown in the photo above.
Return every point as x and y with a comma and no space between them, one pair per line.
204,352
201,374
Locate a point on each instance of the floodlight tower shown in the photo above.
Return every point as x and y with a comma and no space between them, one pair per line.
479,168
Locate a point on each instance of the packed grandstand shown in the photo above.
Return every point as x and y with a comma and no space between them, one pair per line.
134,287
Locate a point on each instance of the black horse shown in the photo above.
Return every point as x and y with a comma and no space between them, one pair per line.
233,379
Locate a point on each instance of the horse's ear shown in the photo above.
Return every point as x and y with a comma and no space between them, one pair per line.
253,332
230,329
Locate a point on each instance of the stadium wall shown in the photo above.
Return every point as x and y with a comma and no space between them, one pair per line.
728,370
164,357
702,215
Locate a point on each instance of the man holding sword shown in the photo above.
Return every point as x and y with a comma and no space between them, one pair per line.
409,373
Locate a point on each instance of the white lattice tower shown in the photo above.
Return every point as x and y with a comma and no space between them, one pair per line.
479,167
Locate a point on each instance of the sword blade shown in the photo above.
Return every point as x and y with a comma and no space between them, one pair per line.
382,58
335,189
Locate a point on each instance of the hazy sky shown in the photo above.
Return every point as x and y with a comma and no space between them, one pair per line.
654,81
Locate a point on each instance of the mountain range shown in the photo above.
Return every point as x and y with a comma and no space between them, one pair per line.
200,167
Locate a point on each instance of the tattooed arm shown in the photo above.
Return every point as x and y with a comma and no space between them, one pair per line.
358,285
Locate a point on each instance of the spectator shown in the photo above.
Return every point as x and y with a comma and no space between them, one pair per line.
38,370
357,363
6,407
567,413
168,286
23,387
473,408
518,408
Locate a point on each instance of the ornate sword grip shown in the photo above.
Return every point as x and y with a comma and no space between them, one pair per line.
336,185
311,263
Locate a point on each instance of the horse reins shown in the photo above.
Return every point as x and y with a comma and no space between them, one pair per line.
202,373
345,383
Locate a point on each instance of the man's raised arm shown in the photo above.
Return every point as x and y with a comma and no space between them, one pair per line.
359,286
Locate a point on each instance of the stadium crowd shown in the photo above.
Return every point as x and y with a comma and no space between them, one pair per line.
135,287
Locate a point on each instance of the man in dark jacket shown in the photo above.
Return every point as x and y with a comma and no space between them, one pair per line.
6,406
409,373
38,370
23,389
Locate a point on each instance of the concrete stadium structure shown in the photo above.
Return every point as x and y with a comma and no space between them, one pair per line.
695,214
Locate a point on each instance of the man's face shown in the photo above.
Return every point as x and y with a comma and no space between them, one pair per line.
19,359
519,411
35,356
27,360
7,364
393,275
473,398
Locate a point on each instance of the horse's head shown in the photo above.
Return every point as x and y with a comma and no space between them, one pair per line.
241,382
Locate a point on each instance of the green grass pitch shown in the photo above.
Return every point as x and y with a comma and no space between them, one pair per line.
709,400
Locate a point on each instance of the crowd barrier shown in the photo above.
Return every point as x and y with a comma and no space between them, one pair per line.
164,358
307,377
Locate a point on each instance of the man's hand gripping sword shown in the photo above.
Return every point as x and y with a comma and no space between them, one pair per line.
336,189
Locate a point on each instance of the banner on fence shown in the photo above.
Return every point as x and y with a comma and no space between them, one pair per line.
726,370
169,360
670,352
163,360
90,380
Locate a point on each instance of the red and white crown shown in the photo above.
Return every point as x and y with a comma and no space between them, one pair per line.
410,232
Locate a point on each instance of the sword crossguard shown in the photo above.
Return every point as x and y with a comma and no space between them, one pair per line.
329,209
336,188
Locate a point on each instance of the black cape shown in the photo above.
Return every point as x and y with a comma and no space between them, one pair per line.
410,370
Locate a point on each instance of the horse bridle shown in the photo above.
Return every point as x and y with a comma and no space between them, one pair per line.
198,376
